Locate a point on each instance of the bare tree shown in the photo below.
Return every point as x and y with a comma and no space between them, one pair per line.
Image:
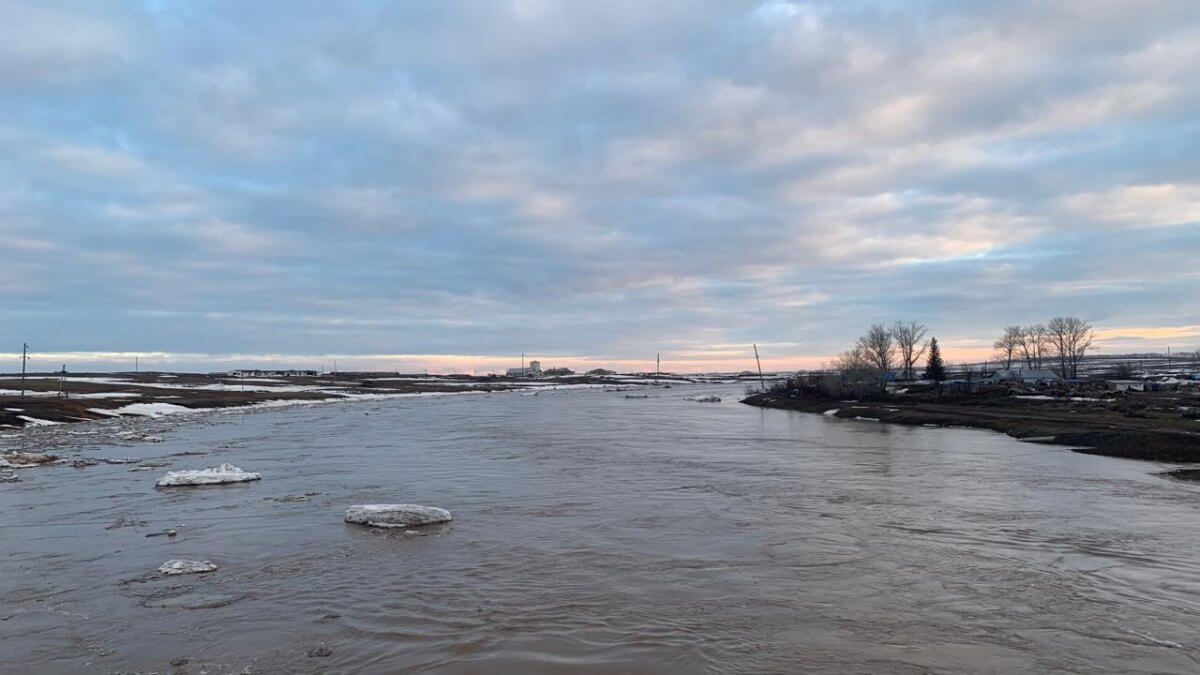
855,371
1071,338
878,347
1034,345
909,337
1006,345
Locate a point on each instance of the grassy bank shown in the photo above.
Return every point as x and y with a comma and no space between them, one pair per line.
1144,426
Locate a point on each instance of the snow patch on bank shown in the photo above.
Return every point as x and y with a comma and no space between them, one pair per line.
154,409
35,422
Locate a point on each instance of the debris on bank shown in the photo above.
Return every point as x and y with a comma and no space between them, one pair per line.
173,567
396,515
217,475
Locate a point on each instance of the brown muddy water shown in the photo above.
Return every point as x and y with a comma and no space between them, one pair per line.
595,533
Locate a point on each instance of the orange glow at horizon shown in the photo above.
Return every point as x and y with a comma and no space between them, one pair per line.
713,358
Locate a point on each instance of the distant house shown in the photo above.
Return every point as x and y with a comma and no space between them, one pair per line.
1125,385
1022,376
558,372
534,370
245,372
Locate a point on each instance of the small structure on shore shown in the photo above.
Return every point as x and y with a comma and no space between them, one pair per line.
1022,376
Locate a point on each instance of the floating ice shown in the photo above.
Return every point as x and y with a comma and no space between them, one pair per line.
396,515
704,399
20,460
140,436
173,567
217,475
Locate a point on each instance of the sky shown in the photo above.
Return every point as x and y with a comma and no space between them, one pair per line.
447,185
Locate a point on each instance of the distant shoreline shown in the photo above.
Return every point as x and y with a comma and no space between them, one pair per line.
95,396
1087,426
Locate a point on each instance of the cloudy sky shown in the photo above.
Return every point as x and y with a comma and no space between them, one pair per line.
447,184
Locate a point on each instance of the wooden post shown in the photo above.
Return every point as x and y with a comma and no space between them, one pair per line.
762,383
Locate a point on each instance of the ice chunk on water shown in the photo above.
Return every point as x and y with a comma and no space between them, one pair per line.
173,567
217,475
396,515
704,399
22,460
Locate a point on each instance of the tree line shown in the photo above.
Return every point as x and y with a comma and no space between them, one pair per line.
898,348
1064,340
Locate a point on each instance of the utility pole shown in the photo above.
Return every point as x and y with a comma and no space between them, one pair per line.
658,364
135,363
24,358
762,383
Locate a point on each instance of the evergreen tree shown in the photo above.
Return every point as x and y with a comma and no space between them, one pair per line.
934,369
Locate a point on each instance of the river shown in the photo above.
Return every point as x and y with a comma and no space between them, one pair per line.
595,533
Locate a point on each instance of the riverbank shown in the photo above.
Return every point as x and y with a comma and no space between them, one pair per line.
79,397
1148,426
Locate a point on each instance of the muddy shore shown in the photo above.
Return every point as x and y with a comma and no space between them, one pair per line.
1146,426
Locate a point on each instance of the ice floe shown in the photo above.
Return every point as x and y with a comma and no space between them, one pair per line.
173,567
704,399
140,436
217,475
396,515
22,460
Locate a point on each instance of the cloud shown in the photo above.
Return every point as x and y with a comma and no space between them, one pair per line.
45,47
95,160
1140,205
593,180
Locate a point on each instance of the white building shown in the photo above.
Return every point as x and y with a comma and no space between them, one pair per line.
1024,376
534,370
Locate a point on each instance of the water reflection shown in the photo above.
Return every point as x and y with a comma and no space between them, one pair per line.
595,533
